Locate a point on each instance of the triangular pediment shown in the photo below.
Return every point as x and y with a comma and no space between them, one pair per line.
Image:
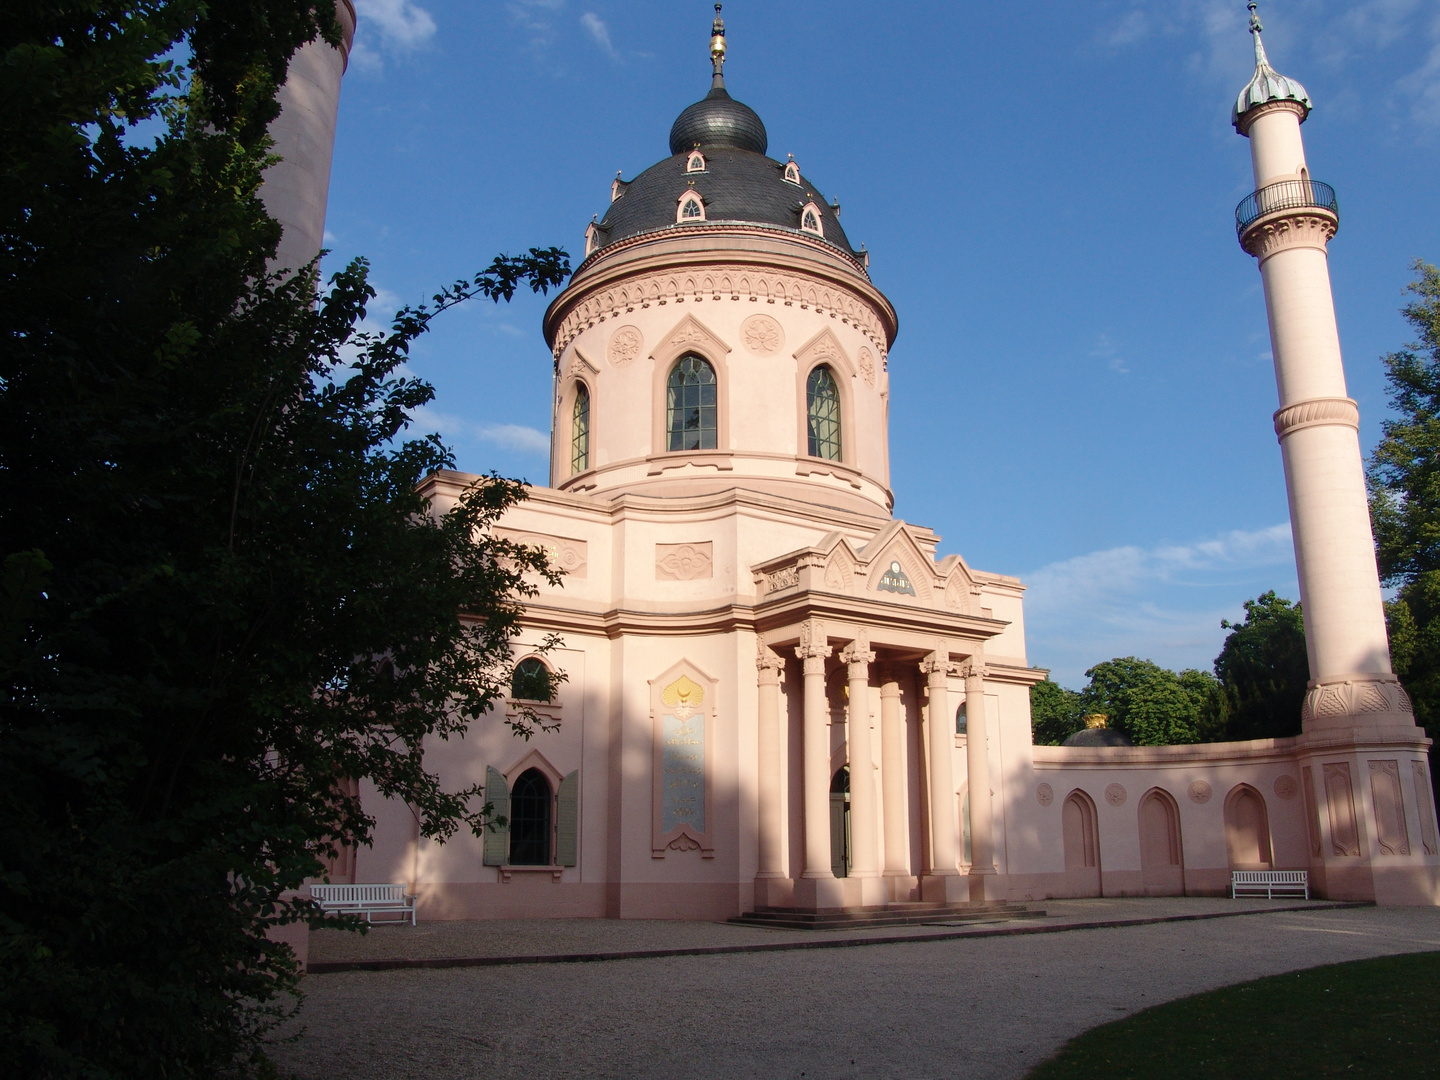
580,365
825,347
689,335
897,566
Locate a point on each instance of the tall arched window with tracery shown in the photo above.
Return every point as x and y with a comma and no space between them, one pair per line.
691,406
580,430
530,820
822,408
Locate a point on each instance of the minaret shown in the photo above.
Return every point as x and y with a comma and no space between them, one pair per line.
297,188
1361,755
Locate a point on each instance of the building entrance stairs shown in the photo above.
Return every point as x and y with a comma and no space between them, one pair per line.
900,913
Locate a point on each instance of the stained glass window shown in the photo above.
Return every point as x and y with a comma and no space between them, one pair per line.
530,820
822,406
691,412
580,430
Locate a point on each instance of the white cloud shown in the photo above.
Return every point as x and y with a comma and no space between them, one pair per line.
400,24
536,18
1105,349
394,26
514,437
600,32
1164,603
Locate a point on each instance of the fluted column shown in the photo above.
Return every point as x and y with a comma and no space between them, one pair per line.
858,658
892,776
943,880
813,652
769,825
977,767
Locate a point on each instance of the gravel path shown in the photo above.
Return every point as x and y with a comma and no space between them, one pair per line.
977,1008
571,937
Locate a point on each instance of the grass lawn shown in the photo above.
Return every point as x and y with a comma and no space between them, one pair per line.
1365,1018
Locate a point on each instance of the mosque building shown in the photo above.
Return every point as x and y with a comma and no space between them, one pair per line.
779,698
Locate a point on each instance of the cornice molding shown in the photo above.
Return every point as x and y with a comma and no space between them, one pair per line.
1310,227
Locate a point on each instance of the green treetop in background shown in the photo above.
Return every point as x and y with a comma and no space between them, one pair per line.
1263,670
1255,693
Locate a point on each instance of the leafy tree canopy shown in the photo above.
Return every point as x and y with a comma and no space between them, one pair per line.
1055,713
1263,670
222,593
1150,704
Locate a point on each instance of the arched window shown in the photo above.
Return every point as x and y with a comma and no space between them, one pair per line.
692,208
960,719
580,430
810,220
696,163
532,681
822,407
530,820
792,172
691,412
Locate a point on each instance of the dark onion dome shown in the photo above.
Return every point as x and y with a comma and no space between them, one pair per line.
1098,736
718,120
737,186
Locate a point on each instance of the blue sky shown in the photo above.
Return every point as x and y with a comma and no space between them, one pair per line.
1082,386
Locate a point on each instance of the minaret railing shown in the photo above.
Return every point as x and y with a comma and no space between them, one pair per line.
1284,195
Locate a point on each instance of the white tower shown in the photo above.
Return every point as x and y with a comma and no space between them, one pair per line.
297,188
1363,760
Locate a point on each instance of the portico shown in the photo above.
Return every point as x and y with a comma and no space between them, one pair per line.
859,656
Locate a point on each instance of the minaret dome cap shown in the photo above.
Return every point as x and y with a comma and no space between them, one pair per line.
717,119
1266,84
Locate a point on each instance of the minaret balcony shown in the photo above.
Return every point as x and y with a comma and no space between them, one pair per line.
1287,198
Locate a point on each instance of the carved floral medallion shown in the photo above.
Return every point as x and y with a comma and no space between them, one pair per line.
762,335
624,346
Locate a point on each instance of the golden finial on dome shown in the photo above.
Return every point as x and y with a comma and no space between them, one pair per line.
717,46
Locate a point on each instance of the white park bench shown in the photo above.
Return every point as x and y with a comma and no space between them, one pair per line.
1269,883
367,900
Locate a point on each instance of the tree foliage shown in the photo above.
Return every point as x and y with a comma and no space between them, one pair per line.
1055,713
1404,478
1264,669
222,592
1152,705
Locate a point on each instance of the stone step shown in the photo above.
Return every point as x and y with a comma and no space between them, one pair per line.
905,913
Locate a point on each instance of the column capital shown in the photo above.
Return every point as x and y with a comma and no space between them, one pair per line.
973,667
812,641
858,653
769,663
939,668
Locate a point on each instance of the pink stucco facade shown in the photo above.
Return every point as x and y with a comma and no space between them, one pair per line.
742,620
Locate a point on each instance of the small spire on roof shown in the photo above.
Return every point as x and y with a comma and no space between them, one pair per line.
717,50
1261,60
1266,84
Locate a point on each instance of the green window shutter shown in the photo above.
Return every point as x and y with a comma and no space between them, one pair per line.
567,819
497,838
